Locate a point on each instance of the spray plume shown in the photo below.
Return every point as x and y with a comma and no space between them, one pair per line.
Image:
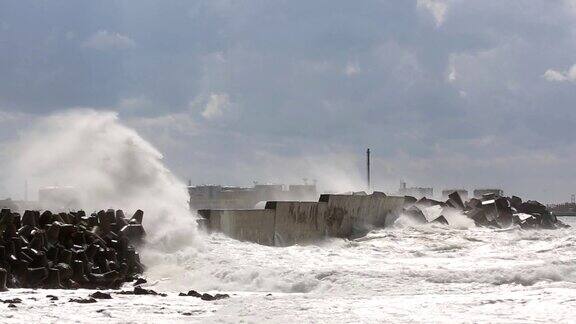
112,167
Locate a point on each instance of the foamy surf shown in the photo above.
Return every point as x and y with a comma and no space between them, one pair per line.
407,273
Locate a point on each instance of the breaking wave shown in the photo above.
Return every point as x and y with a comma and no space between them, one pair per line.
110,166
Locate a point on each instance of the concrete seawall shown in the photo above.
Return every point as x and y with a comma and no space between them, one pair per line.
284,223
244,225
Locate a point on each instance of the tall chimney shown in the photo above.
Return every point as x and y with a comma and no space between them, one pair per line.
368,169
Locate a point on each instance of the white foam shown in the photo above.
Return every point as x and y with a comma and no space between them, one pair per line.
113,167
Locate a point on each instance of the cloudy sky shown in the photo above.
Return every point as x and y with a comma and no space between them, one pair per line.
446,93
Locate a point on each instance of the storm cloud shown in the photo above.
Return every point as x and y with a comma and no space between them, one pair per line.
446,93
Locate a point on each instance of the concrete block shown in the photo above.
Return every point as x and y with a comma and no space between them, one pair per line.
416,215
36,276
53,280
455,201
246,225
134,232
302,222
137,217
3,279
440,220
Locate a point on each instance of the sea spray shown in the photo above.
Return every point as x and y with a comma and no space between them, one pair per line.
112,167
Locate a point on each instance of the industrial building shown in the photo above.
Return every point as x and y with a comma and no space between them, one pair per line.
416,192
462,192
478,193
224,197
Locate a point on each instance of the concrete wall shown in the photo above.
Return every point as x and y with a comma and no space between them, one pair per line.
287,223
298,222
244,225
360,214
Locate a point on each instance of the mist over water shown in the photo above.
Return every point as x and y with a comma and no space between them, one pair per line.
110,166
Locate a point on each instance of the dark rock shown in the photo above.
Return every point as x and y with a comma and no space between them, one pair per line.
140,281
209,297
194,293
52,297
205,296
141,291
12,301
221,296
83,300
100,295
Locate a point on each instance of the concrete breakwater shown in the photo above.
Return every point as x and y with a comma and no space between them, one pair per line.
69,250
283,223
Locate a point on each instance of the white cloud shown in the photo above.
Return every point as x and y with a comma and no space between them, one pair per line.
9,117
105,40
437,8
352,68
452,75
561,76
552,75
133,103
216,105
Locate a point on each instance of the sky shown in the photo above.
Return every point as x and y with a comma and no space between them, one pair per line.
446,93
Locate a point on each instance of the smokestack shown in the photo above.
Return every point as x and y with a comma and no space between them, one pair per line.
368,169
